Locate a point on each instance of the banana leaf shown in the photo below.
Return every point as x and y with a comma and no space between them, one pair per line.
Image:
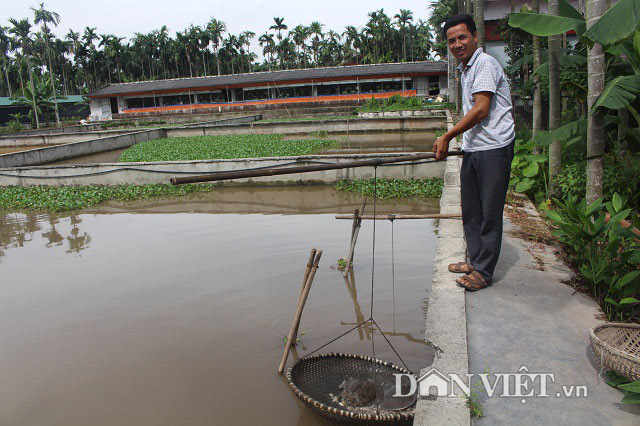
618,23
546,25
619,93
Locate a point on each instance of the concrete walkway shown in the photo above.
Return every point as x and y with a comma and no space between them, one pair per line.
528,317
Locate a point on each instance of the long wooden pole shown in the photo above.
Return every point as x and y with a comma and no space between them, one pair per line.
357,221
312,256
274,171
296,318
402,216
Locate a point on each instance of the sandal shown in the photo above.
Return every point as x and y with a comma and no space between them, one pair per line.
461,268
472,281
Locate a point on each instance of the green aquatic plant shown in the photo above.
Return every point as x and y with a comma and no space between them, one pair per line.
223,147
61,198
394,188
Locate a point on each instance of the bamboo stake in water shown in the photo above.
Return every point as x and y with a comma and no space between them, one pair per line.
296,319
312,256
357,222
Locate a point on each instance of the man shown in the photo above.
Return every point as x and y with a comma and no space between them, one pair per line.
487,144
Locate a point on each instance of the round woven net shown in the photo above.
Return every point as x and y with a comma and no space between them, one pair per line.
351,387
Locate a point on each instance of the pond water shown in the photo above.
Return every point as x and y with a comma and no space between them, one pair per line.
352,143
151,313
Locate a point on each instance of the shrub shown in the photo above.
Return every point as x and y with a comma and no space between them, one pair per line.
606,254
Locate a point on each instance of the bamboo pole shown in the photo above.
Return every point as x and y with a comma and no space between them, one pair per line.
312,256
357,222
296,319
274,171
402,216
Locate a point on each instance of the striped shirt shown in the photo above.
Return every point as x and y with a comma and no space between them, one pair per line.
484,74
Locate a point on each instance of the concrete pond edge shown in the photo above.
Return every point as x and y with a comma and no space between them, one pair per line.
446,325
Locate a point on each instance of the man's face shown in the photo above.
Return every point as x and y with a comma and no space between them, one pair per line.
461,42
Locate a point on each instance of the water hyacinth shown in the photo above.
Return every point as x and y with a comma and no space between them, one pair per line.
394,188
223,147
61,198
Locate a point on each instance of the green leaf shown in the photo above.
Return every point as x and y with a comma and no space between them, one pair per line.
546,25
555,216
631,387
542,70
636,43
628,277
631,398
531,170
620,92
616,379
524,185
610,301
617,202
628,301
620,22
626,51
568,11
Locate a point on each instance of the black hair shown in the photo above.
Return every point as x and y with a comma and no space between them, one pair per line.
461,18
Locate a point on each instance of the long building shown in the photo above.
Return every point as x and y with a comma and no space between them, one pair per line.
262,89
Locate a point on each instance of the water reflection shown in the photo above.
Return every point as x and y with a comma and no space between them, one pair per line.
17,229
365,331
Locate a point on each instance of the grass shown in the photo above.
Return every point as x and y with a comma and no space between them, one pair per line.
223,147
61,198
394,188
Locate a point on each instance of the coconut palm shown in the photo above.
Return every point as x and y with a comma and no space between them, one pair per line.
44,17
537,95
22,31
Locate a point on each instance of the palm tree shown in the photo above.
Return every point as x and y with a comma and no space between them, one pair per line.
268,47
4,50
300,33
316,29
44,17
352,42
595,126
478,8
245,39
404,18
22,30
88,37
555,110
278,26
537,93
216,28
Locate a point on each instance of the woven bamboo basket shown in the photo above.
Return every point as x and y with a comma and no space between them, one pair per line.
313,379
617,346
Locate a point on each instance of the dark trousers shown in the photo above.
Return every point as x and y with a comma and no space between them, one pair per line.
484,179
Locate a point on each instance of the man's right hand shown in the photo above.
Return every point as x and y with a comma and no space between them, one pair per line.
441,147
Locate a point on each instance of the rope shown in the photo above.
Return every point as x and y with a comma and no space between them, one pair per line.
373,273
373,263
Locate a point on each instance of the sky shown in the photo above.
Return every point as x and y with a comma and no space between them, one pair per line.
124,18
